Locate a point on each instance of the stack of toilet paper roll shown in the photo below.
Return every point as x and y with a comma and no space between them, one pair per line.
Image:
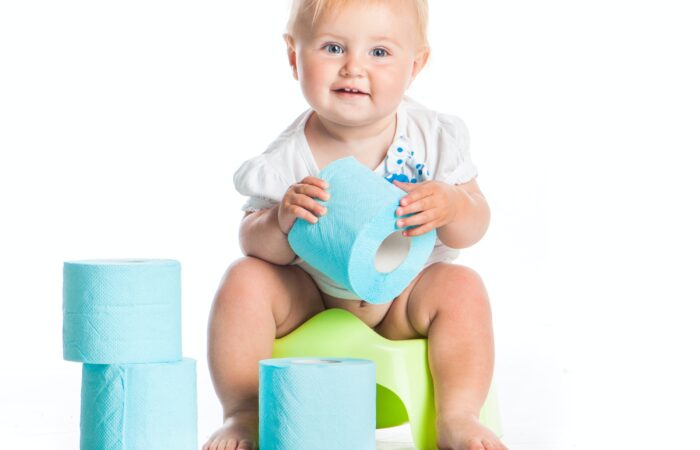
122,320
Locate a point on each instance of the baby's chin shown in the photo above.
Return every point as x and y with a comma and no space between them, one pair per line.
354,116
350,122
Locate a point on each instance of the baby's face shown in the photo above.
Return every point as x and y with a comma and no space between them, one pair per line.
355,66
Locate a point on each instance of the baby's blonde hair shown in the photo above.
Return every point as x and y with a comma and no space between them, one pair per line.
317,9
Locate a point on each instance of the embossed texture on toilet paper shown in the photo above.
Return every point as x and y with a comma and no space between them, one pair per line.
317,404
121,311
139,406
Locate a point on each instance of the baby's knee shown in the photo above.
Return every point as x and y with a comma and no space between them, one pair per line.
246,277
457,276
249,269
463,282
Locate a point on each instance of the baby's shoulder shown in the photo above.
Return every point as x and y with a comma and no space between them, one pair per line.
281,161
441,144
272,159
434,127
287,140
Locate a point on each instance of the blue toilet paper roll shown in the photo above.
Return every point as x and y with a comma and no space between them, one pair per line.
119,312
139,406
317,404
357,243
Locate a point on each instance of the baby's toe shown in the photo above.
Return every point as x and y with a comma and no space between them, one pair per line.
222,444
476,444
488,445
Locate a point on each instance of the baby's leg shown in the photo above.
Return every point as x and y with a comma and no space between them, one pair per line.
448,304
256,302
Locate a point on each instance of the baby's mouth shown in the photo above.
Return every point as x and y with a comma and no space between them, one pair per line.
349,91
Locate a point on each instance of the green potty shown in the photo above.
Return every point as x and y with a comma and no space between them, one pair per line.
404,384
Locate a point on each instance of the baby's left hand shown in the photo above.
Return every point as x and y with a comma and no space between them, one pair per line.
432,201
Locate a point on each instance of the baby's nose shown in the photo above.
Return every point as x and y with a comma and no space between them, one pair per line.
352,67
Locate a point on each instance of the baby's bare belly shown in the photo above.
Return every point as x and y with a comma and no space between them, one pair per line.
369,313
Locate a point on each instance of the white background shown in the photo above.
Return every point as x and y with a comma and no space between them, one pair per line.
121,124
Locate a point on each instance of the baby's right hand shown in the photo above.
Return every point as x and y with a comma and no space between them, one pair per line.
298,202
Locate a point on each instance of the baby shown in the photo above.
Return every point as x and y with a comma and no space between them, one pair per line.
354,60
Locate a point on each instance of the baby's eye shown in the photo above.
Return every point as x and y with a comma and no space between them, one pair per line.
333,48
379,52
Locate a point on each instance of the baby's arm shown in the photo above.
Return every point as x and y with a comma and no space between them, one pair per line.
260,236
459,213
471,220
263,234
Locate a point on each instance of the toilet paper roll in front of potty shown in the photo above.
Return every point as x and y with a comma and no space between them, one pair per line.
139,406
357,243
121,311
317,404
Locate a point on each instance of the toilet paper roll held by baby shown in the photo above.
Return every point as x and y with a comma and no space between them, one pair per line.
357,243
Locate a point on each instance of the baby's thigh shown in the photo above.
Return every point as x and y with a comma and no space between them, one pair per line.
287,291
397,324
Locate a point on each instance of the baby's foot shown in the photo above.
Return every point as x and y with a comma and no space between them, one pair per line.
239,432
466,433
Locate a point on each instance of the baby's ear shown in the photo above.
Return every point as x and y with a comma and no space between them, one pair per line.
419,61
291,54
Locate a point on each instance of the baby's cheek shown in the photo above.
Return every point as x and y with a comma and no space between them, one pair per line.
393,84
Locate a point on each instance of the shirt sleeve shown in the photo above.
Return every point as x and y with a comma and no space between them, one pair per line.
455,165
261,183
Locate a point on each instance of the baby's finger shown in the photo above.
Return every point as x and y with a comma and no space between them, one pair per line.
417,231
312,191
419,205
417,219
414,196
308,204
303,213
406,186
315,181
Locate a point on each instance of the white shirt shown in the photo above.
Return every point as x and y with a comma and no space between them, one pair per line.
427,145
